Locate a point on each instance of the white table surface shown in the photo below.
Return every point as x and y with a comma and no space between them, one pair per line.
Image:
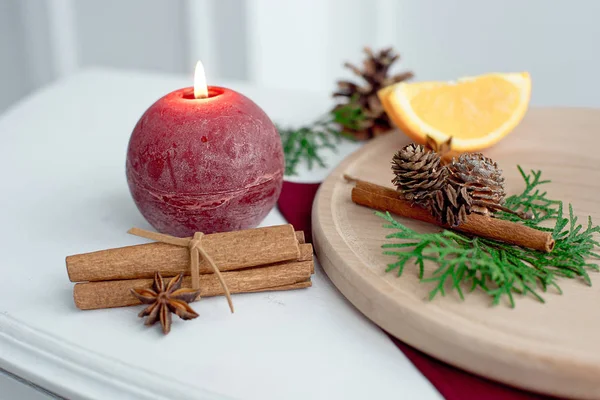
63,191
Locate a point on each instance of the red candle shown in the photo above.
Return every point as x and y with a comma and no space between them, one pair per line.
204,159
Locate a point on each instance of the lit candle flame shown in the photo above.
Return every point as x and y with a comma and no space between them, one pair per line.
200,88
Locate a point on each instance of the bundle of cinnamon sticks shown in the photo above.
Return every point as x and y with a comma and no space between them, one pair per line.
252,260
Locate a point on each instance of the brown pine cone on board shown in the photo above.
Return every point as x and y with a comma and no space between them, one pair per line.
417,173
471,183
450,204
482,179
421,179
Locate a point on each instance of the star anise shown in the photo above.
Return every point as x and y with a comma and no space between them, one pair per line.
165,300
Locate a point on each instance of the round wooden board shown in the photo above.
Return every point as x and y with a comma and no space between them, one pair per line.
552,348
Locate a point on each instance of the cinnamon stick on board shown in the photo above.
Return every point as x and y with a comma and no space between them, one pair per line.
386,199
108,294
229,250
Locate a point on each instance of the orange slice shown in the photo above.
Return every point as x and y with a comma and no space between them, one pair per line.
476,111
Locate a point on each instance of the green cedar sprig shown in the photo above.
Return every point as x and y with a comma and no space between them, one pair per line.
499,269
306,142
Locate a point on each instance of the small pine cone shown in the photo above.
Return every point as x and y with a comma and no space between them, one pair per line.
374,75
482,179
450,205
417,173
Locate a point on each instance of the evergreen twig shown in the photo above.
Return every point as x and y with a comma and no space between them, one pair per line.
306,142
499,269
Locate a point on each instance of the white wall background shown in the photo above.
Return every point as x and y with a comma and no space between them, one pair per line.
303,43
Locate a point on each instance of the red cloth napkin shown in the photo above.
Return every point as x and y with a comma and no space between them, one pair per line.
295,204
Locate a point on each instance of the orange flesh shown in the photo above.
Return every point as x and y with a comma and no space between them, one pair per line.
465,109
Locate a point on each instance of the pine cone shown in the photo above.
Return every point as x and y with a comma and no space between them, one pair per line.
375,74
482,179
450,205
472,183
417,173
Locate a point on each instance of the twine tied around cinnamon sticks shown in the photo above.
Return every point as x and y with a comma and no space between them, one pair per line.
194,244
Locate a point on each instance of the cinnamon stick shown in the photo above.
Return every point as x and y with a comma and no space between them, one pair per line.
229,250
300,237
306,254
299,285
108,294
387,199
